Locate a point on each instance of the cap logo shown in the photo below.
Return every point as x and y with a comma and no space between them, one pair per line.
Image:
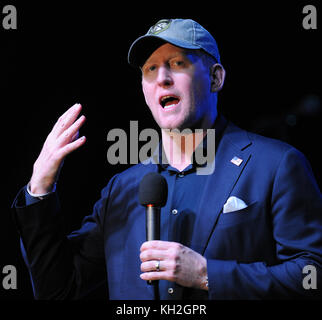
160,26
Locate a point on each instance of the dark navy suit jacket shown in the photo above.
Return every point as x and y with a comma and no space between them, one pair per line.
258,252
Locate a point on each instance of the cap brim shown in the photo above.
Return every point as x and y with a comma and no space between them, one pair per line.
143,47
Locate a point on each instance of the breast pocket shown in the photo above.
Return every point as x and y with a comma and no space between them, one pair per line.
239,216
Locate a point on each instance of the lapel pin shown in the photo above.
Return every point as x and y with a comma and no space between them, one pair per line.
236,161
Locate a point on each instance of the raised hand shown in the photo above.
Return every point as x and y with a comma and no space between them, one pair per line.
61,141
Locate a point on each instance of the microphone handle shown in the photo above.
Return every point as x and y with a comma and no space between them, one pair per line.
152,223
152,228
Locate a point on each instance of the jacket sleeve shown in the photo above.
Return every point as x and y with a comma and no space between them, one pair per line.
62,266
296,218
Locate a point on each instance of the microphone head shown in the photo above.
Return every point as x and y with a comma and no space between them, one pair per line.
153,190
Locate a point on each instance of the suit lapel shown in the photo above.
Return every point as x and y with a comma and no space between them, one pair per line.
218,186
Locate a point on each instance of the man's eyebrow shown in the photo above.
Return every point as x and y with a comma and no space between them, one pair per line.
178,54
184,54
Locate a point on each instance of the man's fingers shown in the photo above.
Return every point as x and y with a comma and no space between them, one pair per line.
152,254
151,265
70,133
157,275
155,244
67,119
70,147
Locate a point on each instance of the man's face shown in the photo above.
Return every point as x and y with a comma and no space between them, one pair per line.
177,88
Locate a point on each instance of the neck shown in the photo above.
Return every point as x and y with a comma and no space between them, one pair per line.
179,146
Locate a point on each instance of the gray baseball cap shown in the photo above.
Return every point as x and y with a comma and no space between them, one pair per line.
183,33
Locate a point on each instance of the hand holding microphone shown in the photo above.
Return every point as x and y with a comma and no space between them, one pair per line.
165,260
153,194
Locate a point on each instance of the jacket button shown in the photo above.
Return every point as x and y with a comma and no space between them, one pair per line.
170,290
174,211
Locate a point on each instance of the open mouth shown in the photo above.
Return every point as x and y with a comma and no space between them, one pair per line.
169,101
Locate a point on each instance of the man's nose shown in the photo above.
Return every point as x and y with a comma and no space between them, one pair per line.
164,77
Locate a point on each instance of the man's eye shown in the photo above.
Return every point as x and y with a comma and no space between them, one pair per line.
148,69
177,64
152,68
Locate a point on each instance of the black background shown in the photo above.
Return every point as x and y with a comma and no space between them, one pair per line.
62,54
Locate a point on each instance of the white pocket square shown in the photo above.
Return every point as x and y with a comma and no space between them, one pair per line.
234,204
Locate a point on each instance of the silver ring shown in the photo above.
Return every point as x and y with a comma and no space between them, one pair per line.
157,265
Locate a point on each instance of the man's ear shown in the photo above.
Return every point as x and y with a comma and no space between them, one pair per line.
217,74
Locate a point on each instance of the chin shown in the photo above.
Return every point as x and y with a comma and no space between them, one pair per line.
171,125
176,122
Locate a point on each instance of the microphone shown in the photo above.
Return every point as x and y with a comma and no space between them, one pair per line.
153,194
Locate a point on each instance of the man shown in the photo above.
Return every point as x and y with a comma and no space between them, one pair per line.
244,231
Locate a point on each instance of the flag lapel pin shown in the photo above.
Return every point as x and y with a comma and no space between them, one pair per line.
236,161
